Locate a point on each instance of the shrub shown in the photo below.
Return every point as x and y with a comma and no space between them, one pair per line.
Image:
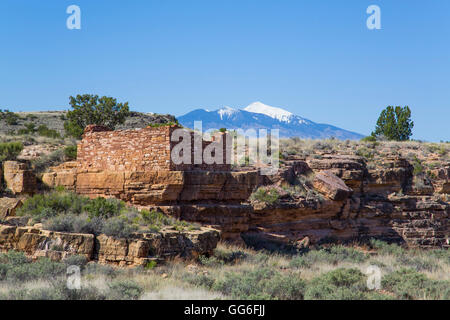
73,130
410,284
43,268
74,223
339,284
43,206
10,150
13,258
84,293
70,152
418,167
76,260
366,153
92,109
119,228
124,290
10,117
418,263
104,208
165,124
333,255
42,163
369,139
261,284
266,195
44,131
29,129
155,220
99,269
386,248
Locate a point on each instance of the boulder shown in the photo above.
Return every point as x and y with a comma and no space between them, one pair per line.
331,186
18,178
8,207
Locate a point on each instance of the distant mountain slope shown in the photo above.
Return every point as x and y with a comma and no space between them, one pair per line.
260,116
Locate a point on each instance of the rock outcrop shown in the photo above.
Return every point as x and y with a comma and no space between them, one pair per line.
8,207
18,177
381,202
381,195
331,186
136,250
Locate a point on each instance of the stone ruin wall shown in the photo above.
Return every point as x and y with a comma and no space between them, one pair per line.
137,150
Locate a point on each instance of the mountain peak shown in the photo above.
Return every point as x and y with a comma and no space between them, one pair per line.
273,112
226,111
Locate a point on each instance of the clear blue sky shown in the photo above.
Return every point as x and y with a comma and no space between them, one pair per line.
316,58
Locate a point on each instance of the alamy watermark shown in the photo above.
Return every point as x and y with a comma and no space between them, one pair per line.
373,277
74,20
374,20
240,147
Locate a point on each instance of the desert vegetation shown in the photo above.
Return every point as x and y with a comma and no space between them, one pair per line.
65,211
234,272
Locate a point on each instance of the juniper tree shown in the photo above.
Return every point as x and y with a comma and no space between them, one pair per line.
90,109
394,123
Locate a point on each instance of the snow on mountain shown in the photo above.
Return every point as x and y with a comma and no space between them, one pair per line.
261,116
226,111
273,112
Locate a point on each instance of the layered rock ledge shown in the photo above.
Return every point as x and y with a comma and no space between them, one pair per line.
139,249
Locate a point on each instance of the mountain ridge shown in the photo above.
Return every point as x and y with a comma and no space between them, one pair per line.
258,115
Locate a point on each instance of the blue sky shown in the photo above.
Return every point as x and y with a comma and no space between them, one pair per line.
316,59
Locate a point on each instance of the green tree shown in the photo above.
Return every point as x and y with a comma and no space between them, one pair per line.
394,123
90,109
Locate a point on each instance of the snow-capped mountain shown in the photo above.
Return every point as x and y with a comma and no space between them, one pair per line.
260,116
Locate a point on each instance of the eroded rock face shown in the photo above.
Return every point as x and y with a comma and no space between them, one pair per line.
8,207
380,201
18,178
137,250
36,242
350,169
157,187
331,186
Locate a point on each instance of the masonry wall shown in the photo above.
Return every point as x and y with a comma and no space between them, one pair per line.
125,150
147,149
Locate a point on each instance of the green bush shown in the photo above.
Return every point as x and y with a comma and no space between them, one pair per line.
70,152
74,223
10,117
44,206
386,248
365,152
369,139
44,162
418,166
91,109
410,284
10,150
165,124
266,195
333,255
73,130
104,208
339,284
76,260
118,227
262,283
44,131
124,290
43,268
68,212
